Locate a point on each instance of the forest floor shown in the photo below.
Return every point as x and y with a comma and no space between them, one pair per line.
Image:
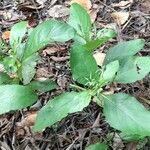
80,129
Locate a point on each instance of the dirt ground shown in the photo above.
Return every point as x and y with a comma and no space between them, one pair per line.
77,130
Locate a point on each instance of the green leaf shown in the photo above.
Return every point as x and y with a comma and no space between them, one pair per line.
14,97
16,34
43,86
48,32
124,49
27,70
133,69
4,78
60,107
83,65
126,114
80,20
110,71
97,146
103,36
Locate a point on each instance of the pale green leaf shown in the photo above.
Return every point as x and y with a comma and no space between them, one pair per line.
133,69
125,113
83,65
110,71
58,108
46,33
80,20
43,86
124,49
97,146
15,97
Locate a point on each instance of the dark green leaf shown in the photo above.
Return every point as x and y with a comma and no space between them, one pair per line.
27,70
80,20
133,69
97,146
124,49
4,78
102,36
17,33
83,65
48,32
43,86
126,114
14,97
60,107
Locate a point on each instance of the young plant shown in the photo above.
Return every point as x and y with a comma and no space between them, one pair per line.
121,65
17,90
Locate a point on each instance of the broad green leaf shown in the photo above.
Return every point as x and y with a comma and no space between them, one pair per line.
103,36
10,65
16,34
58,108
133,69
126,114
124,49
27,70
97,146
14,97
80,20
83,65
48,32
110,71
43,86
4,78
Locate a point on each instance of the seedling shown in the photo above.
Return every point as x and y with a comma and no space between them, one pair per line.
121,65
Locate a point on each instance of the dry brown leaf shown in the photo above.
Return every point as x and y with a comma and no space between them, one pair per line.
123,4
52,50
99,57
6,35
145,6
29,120
58,11
120,17
93,15
85,3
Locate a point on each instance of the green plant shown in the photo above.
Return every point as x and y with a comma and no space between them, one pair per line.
16,86
121,65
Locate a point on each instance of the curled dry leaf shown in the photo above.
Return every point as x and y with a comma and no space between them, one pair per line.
123,4
6,35
93,15
58,11
120,17
99,57
85,3
29,120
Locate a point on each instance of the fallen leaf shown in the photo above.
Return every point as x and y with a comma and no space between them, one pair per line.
85,3
31,21
99,57
145,6
93,15
27,6
52,50
123,4
6,35
58,11
120,17
29,120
